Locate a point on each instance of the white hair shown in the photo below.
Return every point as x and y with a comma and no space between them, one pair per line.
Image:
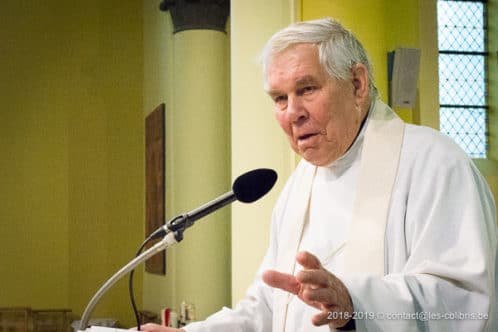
338,48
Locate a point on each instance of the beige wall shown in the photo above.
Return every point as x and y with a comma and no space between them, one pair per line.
257,141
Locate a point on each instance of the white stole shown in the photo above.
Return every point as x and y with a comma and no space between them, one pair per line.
364,250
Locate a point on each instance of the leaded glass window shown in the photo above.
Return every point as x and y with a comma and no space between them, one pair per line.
462,73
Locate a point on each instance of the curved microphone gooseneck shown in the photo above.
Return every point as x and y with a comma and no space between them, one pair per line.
247,188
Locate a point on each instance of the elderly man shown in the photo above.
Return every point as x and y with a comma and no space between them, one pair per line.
382,226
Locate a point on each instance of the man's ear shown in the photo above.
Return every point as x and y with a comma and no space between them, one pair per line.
359,75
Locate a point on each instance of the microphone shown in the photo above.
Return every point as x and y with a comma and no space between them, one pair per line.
247,188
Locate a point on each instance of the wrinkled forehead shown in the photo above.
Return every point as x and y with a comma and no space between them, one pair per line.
293,63
270,53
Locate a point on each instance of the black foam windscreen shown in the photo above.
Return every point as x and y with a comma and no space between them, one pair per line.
254,184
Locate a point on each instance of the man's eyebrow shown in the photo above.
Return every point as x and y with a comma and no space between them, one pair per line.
273,92
308,79
302,81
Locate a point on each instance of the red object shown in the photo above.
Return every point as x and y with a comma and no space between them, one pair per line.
166,313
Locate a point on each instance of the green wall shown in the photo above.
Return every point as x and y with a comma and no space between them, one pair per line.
71,145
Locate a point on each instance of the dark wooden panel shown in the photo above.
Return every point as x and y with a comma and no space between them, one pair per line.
155,183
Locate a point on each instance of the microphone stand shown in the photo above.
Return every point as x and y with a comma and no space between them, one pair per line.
247,188
170,239
173,233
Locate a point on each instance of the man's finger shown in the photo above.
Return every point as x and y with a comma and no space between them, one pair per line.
308,260
319,278
325,296
321,318
280,280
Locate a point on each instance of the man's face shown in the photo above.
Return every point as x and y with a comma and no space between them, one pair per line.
319,114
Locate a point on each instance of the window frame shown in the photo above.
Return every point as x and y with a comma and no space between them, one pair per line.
485,55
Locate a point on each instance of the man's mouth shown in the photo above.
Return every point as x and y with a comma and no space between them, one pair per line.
306,136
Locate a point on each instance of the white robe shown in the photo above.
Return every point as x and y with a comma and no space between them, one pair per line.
440,246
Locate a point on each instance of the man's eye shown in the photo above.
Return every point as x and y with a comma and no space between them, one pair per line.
308,90
280,101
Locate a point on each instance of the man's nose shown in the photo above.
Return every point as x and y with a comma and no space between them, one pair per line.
296,111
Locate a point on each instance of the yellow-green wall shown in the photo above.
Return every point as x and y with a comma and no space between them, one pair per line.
71,145
105,175
33,145
490,166
493,77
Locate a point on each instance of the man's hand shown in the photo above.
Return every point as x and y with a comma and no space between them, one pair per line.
316,287
151,327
